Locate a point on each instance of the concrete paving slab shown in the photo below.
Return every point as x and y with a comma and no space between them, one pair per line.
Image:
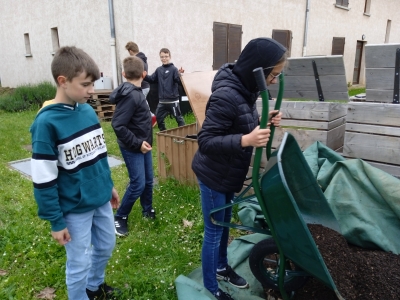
24,165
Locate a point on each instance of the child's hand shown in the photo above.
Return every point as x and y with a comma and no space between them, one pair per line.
62,237
114,199
145,147
257,138
275,117
181,70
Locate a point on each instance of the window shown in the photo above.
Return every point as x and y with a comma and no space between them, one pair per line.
28,52
227,43
284,37
338,46
344,3
367,7
54,40
388,25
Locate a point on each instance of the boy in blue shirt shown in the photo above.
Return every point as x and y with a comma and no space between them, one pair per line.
168,78
71,176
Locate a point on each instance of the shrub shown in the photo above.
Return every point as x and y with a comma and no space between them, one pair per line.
27,97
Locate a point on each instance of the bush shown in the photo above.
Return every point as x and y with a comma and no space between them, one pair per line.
27,97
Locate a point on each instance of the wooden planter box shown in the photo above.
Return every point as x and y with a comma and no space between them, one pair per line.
176,152
373,134
311,121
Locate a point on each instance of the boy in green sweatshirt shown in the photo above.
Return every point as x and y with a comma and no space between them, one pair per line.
71,176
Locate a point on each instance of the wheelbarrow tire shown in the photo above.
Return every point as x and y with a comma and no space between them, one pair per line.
265,270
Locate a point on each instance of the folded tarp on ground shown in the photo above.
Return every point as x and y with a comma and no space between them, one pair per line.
191,287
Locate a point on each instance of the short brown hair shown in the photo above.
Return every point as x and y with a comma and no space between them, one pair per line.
133,67
131,46
165,50
71,62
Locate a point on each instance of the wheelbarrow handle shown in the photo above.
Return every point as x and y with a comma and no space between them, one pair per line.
277,107
262,87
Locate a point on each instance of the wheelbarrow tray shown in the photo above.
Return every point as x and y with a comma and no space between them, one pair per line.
292,199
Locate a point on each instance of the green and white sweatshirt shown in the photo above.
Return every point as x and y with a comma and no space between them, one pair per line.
69,165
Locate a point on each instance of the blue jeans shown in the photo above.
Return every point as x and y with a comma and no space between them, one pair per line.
140,170
92,242
214,253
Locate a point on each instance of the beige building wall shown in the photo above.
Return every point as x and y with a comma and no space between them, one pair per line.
183,26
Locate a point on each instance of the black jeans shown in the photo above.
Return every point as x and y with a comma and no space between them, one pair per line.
164,109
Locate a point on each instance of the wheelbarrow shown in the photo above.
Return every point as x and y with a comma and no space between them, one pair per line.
290,198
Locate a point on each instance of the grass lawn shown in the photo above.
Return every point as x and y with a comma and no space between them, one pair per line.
144,264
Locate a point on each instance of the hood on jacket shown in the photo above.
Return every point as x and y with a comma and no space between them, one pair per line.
122,91
142,56
260,52
226,79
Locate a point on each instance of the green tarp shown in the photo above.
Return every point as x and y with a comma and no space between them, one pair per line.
365,201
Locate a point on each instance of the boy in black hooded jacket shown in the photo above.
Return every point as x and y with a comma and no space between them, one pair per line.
168,77
132,125
226,140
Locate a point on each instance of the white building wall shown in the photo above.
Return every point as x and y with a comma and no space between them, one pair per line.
183,26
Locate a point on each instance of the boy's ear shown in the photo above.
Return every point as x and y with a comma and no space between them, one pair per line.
123,74
144,74
61,80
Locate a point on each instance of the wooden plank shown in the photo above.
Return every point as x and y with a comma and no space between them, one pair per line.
379,95
334,83
390,169
380,78
105,114
304,138
385,114
326,65
380,56
376,148
309,110
106,107
312,95
335,137
373,129
197,86
161,155
321,125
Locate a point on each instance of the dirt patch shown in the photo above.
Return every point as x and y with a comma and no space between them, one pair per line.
357,273
5,90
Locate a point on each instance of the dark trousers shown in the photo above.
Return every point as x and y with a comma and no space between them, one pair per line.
164,109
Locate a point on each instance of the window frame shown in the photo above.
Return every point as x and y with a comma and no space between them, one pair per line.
27,42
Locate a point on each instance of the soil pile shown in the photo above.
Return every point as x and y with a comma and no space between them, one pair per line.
358,273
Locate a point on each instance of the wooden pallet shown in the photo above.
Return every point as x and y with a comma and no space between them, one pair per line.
100,97
105,114
105,107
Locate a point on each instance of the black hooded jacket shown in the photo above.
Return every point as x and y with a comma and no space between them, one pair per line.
143,57
167,76
131,120
221,162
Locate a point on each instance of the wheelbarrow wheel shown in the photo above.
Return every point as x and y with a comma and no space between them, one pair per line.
264,263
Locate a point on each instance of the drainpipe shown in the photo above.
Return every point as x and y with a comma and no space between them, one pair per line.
306,28
112,44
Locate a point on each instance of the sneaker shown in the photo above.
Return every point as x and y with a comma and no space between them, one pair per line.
105,292
150,214
230,276
153,120
221,295
121,225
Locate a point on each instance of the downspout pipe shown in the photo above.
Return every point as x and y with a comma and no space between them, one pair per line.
112,44
306,28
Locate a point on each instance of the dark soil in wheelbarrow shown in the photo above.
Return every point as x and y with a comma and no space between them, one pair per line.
358,273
